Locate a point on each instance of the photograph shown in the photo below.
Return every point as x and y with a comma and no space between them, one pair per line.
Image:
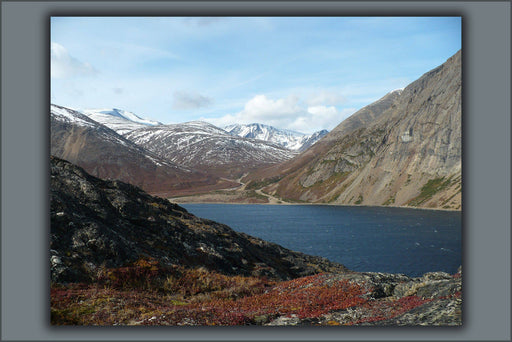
255,171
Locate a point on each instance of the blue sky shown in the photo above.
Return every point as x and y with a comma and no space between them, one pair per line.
300,73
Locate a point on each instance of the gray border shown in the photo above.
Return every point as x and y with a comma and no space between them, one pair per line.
486,173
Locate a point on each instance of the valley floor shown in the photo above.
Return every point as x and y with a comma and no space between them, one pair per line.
238,194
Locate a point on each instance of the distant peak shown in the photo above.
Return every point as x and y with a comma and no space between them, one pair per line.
121,113
289,139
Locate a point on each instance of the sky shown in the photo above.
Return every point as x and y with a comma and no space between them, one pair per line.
298,73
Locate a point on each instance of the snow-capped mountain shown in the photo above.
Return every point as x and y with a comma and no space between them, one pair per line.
292,140
310,139
119,120
104,153
203,146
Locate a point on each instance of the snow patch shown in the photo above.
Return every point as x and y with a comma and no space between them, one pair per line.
289,139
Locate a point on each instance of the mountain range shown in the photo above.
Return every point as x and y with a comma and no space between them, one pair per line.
203,146
402,150
292,140
104,153
212,153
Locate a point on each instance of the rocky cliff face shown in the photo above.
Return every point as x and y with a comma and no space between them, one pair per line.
97,223
404,149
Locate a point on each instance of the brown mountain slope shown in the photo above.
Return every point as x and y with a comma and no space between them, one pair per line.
404,149
105,154
362,117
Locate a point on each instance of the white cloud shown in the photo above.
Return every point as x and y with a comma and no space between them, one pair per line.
262,108
289,113
190,100
63,65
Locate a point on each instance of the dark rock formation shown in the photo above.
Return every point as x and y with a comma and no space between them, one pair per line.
97,223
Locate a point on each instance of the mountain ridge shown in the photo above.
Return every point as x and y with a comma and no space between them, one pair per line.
292,140
119,120
106,154
194,144
203,146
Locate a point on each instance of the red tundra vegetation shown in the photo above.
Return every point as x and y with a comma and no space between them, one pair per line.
148,294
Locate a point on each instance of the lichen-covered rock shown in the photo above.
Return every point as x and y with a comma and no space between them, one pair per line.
431,285
285,320
435,299
439,312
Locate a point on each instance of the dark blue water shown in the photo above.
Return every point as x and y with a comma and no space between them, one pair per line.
373,239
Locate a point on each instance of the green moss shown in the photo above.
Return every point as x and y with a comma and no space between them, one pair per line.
254,194
253,185
408,179
432,187
390,200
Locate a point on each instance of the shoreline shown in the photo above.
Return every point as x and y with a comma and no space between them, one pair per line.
325,204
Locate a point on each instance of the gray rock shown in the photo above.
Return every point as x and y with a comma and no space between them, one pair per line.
285,320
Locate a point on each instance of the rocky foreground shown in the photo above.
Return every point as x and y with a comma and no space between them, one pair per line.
119,256
394,300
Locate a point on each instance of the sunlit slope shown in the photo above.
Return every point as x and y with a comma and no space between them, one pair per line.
403,150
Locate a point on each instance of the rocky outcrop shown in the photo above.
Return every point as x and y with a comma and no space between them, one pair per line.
97,224
403,150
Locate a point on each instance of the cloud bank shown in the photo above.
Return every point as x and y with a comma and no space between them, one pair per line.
63,65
